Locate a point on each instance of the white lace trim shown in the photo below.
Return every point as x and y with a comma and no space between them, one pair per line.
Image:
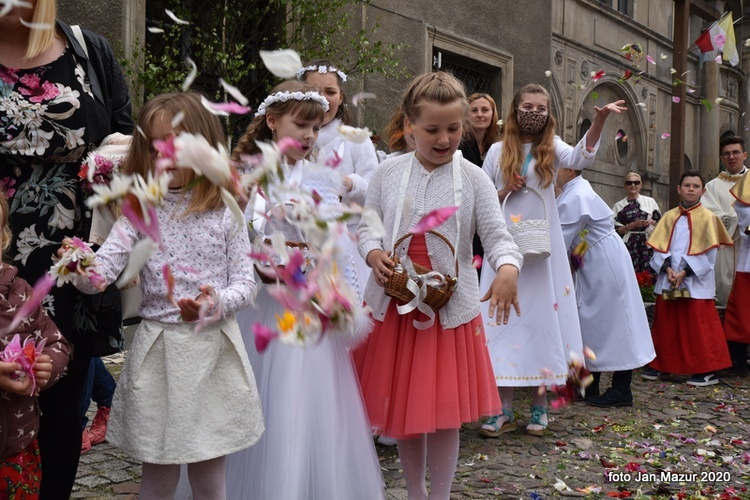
321,69
287,96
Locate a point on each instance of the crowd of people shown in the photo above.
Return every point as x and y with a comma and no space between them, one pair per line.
247,420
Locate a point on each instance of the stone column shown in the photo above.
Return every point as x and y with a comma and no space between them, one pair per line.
123,23
710,125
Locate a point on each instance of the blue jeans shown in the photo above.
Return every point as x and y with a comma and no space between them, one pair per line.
100,386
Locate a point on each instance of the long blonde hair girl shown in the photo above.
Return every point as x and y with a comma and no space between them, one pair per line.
542,148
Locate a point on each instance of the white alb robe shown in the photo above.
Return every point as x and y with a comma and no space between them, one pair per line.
721,202
613,320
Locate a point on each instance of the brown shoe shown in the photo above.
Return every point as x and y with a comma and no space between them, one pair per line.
98,430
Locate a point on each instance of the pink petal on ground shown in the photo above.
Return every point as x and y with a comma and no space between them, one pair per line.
433,219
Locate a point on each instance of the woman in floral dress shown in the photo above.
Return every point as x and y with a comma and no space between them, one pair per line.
635,218
58,100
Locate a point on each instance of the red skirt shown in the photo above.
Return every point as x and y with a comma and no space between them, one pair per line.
21,474
418,381
737,315
688,337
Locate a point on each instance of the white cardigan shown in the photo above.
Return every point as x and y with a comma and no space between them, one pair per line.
480,212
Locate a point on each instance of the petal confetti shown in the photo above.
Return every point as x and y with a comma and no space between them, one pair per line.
191,76
282,63
174,18
234,92
356,98
433,219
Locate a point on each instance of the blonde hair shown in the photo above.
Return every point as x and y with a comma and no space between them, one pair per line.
196,120
4,216
438,87
45,12
632,174
542,149
258,129
493,131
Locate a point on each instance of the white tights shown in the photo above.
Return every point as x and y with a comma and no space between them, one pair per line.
442,449
207,480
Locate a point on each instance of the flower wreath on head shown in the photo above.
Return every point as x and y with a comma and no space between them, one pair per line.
289,96
321,69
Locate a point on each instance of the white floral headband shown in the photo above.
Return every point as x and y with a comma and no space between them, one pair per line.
321,69
291,96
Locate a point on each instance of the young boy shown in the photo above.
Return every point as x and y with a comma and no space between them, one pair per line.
687,331
737,316
613,320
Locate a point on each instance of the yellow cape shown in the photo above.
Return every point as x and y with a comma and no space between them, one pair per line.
741,190
706,230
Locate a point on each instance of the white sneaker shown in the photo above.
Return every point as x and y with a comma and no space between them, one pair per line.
703,380
386,441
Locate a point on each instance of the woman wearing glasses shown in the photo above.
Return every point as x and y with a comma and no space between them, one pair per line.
635,218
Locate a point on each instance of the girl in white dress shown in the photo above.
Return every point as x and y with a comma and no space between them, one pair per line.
525,164
358,161
318,443
184,396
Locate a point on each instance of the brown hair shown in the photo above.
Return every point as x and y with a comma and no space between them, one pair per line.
493,131
542,149
343,112
439,87
395,132
258,129
196,120
45,12
4,216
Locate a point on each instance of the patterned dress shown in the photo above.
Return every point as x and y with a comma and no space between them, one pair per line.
639,252
43,137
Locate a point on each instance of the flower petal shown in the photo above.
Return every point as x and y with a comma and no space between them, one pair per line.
282,63
433,219
139,255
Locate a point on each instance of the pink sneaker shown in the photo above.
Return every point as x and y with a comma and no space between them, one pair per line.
98,430
85,442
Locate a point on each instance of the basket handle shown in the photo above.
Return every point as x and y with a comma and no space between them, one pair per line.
409,235
544,204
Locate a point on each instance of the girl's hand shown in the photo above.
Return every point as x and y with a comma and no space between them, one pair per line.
348,183
382,266
190,308
502,294
43,370
517,183
21,386
612,107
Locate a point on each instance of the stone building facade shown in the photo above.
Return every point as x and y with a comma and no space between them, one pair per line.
498,46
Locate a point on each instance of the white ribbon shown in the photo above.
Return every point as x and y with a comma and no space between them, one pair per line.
417,284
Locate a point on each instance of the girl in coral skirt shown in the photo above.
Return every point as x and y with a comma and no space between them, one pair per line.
423,373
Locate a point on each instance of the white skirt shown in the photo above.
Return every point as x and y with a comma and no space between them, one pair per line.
185,397
318,444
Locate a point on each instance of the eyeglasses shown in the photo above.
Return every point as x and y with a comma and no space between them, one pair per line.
729,154
632,183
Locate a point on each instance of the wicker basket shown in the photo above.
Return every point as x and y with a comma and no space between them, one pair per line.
270,279
531,236
436,298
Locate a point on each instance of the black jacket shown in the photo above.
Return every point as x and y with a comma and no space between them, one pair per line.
113,111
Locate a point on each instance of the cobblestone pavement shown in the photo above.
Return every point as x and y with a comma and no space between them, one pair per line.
677,441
